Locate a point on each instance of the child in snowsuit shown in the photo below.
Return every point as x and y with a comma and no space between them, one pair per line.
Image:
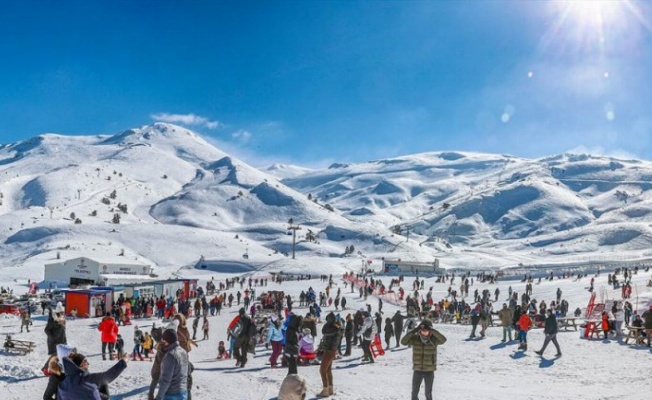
120,346
205,328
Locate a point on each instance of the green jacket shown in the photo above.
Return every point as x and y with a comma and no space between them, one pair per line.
424,355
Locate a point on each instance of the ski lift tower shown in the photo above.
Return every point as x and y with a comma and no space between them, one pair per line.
294,229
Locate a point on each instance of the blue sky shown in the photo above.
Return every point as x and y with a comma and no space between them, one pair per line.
313,82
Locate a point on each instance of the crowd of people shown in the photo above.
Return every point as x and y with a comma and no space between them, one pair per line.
276,323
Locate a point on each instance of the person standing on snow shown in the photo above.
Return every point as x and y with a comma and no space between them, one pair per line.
204,328
550,330
291,349
506,315
524,324
389,332
368,332
109,329
330,342
240,328
348,334
173,382
55,329
138,341
398,319
424,341
275,337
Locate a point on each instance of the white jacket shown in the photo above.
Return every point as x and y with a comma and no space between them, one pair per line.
368,323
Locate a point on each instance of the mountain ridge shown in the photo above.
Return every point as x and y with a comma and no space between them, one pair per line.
465,208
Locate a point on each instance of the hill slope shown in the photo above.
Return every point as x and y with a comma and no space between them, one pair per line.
166,185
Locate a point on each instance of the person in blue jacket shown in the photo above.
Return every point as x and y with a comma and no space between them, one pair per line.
80,384
275,337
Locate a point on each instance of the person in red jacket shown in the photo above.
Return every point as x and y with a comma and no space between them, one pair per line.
524,324
109,329
605,324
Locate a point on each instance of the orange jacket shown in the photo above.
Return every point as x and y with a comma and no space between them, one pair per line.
524,322
605,322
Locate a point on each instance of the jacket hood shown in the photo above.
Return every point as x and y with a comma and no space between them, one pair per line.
181,318
71,369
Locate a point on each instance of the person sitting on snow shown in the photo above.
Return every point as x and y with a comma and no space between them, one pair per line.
222,353
307,344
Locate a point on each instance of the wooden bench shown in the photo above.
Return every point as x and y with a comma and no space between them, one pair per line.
19,346
634,333
567,323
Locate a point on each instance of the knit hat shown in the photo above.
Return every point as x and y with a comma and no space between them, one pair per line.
426,323
170,336
241,311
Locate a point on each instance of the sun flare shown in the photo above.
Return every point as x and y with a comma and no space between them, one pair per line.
586,25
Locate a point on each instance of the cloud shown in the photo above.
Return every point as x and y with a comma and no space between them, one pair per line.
186,119
241,135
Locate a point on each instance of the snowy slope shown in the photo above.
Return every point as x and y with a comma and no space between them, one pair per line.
169,185
467,369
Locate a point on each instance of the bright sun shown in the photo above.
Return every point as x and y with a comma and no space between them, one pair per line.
595,12
583,25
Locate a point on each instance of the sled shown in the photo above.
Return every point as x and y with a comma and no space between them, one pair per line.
376,347
308,359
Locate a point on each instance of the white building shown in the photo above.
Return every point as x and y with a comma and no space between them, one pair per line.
87,271
411,267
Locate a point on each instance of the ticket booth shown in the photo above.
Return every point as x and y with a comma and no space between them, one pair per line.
89,303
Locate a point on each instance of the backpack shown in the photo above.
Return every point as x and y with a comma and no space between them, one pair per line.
237,329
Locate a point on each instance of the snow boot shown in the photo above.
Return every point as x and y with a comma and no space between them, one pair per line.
324,393
330,389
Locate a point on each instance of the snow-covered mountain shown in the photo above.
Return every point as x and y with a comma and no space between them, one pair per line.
178,198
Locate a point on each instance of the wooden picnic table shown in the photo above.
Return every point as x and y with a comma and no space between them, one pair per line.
19,346
566,323
634,332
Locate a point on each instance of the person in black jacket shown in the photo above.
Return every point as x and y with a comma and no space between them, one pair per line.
291,349
330,338
55,329
550,330
389,331
348,334
243,339
398,319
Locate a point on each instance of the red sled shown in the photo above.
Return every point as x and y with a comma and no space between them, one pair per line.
376,347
